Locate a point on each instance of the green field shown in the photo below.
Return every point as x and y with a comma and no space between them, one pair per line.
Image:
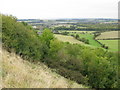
72,40
112,44
90,38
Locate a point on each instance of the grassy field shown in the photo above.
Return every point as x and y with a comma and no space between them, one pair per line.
72,40
65,38
106,35
90,38
88,35
19,73
112,44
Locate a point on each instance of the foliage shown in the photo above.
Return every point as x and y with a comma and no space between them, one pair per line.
90,27
20,38
45,38
64,33
86,41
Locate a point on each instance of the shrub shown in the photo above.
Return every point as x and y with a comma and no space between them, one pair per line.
64,33
20,38
77,36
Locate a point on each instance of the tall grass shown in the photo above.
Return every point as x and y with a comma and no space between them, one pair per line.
19,73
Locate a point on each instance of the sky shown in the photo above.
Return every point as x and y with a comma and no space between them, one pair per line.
58,9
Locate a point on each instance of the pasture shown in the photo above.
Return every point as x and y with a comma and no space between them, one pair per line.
90,37
108,35
72,40
112,44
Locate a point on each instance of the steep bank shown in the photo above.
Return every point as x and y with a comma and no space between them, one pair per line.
19,73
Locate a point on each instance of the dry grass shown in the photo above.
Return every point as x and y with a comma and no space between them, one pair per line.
19,73
106,35
65,38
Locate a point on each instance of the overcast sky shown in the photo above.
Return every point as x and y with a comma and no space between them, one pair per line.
52,9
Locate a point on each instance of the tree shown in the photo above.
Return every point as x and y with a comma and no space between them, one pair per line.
46,37
77,36
55,47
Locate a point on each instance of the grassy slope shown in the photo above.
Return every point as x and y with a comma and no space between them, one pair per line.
19,73
112,44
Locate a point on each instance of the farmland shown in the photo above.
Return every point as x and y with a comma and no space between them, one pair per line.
67,39
109,39
72,40
82,34
108,35
90,38
112,44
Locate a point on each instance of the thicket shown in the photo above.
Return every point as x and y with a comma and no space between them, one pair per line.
20,38
90,66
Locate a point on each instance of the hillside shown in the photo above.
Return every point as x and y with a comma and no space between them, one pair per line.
75,62
19,73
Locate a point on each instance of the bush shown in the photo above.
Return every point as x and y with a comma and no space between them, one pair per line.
64,33
20,38
77,36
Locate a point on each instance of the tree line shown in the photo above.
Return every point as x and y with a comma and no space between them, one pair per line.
90,27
